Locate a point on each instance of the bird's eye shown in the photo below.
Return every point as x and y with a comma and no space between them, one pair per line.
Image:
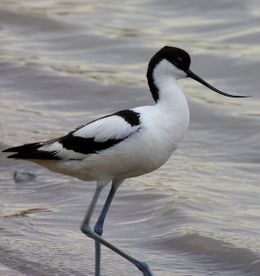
178,61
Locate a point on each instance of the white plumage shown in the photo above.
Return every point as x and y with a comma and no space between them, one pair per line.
125,144
112,127
143,149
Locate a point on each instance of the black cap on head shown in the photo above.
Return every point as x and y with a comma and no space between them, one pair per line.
176,56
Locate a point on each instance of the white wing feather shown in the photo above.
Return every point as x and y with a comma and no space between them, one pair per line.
112,127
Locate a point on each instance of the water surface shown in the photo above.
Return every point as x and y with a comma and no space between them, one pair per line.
63,63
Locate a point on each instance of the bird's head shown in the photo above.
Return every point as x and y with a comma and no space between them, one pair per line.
175,62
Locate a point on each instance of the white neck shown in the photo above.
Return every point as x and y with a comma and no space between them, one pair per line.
172,101
169,91
170,94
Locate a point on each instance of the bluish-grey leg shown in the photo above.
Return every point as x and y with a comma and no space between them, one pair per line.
85,228
90,212
92,205
98,229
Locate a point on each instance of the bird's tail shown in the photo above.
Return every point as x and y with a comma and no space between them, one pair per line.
30,151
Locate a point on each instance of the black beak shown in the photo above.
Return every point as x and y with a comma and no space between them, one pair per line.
197,78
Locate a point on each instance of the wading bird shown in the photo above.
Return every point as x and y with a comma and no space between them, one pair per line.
125,144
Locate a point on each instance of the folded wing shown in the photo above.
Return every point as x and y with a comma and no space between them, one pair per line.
92,138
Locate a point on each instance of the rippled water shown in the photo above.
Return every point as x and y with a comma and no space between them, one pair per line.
63,63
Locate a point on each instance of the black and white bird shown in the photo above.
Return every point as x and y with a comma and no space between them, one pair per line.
124,144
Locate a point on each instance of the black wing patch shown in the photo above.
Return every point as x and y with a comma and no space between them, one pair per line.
130,116
30,151
86,145
89,145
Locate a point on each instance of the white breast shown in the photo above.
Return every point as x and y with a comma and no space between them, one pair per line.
147,150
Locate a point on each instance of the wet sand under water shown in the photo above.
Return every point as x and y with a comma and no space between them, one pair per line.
64,64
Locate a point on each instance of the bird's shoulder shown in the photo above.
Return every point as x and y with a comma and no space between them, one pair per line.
102,133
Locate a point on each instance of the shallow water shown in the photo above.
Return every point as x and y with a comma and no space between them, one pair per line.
63,63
